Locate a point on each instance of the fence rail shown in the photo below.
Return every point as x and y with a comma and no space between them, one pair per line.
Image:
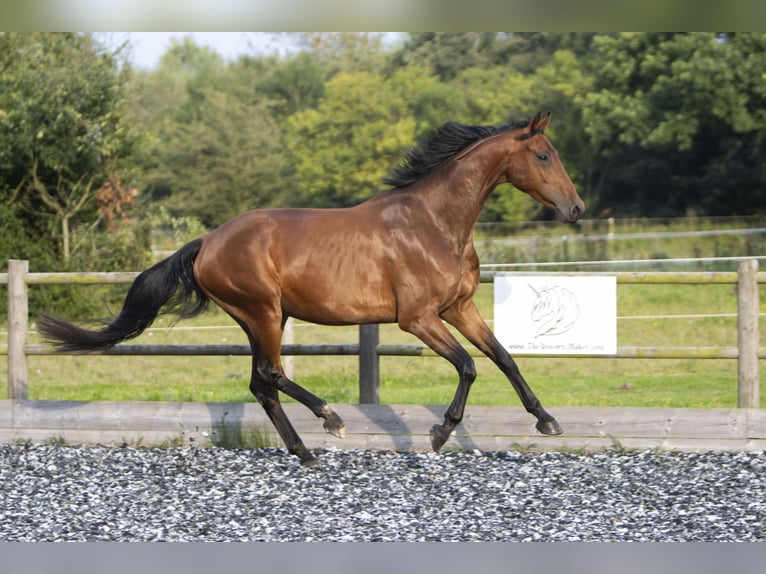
612,236
369,349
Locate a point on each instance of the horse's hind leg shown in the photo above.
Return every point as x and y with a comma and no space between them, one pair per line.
267,395
265,384
333,424
269,344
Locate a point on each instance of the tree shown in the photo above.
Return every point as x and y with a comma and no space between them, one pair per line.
294,84
525,52
215,148
342,149
63,129
347,52
446,54
680,120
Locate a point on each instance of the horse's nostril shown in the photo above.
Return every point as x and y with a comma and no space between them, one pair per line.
576,210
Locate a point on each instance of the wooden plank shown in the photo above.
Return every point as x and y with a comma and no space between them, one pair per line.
756,424
632,277
624,277
624,352
151,416
401,427
6,414
82,278
201,349
594,422
411,350
651,422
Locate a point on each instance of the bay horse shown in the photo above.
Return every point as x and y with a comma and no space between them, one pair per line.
405,256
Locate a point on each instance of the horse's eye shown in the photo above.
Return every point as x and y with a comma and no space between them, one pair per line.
542,157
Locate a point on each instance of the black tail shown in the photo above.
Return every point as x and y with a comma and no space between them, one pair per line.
152,290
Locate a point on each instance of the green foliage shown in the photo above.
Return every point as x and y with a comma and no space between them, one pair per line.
646,123
662,89
446,54
236,436
127,247
170,233
360,130
63,131
680,119
348,52
215,150
293,85
63,134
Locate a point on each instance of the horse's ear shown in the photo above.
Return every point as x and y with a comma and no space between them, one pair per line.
542,124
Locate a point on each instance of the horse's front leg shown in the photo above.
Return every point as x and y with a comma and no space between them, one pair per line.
466,318
430,329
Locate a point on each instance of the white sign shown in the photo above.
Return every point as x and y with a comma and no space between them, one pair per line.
561,315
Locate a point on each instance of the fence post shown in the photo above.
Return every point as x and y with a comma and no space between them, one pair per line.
288,336
18,318
369,364
748,378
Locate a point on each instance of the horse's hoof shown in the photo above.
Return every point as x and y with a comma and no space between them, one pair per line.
550,427
333,424
335,428
308,459
439,436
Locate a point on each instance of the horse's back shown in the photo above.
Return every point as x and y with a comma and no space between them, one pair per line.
324,265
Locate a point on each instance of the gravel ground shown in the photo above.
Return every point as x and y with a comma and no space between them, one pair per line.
51,493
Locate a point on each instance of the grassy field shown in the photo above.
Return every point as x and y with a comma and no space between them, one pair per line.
429,380
631,239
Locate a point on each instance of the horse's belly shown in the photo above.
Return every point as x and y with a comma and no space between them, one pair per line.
339,303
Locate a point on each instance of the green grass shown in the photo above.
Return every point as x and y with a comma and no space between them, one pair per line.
546,245
429,380
243,437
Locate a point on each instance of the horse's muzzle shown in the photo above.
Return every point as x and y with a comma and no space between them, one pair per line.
576,210
573,213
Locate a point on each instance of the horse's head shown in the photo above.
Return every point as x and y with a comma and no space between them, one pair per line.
535,168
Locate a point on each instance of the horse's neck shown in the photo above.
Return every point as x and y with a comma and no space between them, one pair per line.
461,188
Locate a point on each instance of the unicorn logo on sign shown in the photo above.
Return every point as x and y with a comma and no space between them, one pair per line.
555,310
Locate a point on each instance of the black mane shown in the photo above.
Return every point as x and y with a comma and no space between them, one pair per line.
440,145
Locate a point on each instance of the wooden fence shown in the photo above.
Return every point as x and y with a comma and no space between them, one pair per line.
392,426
